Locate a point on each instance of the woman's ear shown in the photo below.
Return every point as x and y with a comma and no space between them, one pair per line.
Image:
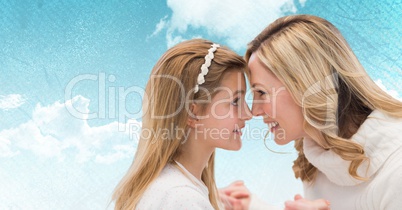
192,115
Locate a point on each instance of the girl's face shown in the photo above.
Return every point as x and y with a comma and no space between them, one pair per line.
273,101
220,126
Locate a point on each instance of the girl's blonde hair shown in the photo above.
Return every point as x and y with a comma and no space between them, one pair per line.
169,92
312,59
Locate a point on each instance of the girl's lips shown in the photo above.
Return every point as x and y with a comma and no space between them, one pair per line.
238,132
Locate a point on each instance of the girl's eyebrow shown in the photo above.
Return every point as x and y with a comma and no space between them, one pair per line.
234,93
239,91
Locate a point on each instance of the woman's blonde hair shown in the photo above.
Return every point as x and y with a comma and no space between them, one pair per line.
312,59
169,91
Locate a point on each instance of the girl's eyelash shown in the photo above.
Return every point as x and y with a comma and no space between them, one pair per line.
235,101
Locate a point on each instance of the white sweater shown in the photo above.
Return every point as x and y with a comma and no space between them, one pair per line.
381,137
173,190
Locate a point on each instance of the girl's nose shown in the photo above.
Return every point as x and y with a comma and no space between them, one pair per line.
256,109
246,114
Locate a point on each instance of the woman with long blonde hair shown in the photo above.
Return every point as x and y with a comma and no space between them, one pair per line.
194,103
310,87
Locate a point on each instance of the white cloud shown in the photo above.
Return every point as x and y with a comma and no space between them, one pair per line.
5,150
391,92
119,152
54,132
238,22
161,25
302,2
11,101
173,40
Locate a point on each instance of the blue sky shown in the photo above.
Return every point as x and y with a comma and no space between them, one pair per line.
71,74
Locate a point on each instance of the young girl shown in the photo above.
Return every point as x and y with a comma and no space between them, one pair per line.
195,103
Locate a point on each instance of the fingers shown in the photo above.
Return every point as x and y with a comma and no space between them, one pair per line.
236,189
321,204
301,203
231,203
294,205
236,196
240,194
298,197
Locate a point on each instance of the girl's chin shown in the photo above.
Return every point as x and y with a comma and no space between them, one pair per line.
236,146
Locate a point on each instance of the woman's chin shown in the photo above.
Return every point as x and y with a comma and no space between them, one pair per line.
282,141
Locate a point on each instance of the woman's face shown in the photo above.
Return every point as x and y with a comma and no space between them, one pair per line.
274,102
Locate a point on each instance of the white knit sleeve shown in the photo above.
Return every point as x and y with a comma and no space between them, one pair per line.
392,190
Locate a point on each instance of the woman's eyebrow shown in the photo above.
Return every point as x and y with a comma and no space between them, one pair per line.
265,87
234,92
256,84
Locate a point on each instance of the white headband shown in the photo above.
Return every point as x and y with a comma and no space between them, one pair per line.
205,66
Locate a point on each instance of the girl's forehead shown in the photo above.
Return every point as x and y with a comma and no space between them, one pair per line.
226,92
232,83
232,78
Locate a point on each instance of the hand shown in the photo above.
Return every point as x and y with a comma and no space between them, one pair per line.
235,196
302,204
